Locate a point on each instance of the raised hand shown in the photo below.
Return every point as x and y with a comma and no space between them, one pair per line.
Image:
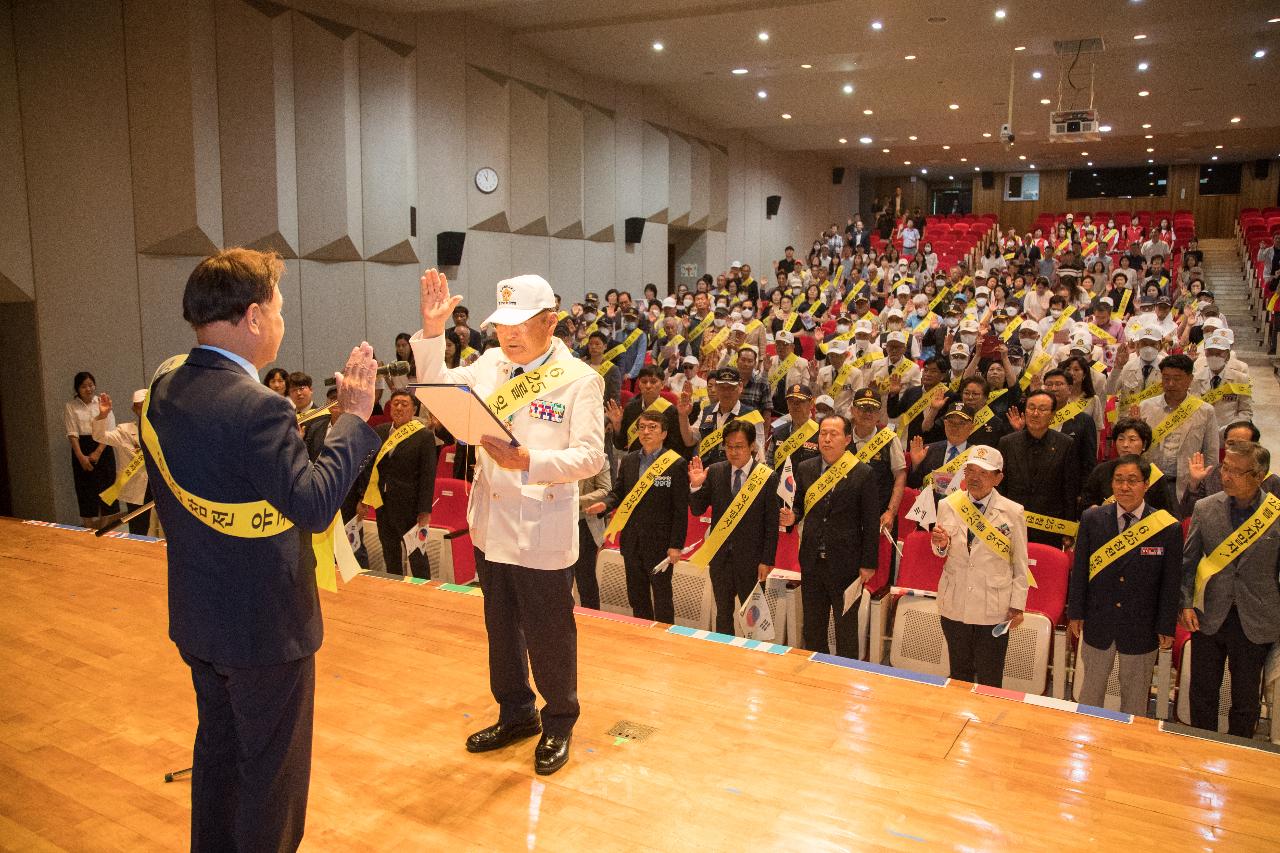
1196,468
357,381
613,412
939,398
895,384
436,303
1015,418
1122,355
697,473
104,405
684,404
917,451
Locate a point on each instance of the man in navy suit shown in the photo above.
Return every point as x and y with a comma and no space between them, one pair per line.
746,557
243,606
1130,604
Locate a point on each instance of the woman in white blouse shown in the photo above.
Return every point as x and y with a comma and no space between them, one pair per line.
92,462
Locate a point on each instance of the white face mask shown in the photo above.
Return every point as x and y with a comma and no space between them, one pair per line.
1148,354
893,325
841,328
688,303
718,322
1215,362
922,310
746,315
968,338
1055,313
959,362
1028,342
952,322
981,301
999,325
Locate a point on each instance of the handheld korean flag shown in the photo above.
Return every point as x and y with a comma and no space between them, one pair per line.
787,485
415,540
757,620
355,532
852,594
924,511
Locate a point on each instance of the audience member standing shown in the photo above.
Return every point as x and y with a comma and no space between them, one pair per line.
92,462
402,482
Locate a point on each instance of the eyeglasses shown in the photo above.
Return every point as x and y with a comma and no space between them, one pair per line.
1127,481
1226,469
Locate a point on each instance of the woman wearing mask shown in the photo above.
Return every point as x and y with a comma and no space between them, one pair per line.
929,259
92,463
1110,237
277,379
1080,379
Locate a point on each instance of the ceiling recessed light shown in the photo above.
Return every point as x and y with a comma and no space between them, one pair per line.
924,171
762,94
912,138
1273,20
951,177
805,65
865,140
1000,13
906,162
1033,165
1150,150
848,88
763,36
657,45
1036,75
1139,37
1106,128
1090,163
843,140
877,25
1259,53
1150,161
786,115
1143,93
964,159
909,57
1148,136
946,148
884,150
1084,153
986,136
1214,157
1235,119
1022,156
868,112
1146,126
739,71
953,106
1021,47
977,168
1142,66
1218,147
1044,100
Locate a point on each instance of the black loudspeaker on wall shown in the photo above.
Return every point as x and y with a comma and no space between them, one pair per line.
988,180
771,205
1261,169
837,175
449,248
634,228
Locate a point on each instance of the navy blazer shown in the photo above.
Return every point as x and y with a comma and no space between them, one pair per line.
661,519
236,601
755,538
1135,598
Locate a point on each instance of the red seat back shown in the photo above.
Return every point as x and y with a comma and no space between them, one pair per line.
788,553
920,568
1052,570
449,508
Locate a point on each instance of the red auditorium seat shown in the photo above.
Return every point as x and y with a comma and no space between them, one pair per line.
920,568
905,525
788,554
1052,570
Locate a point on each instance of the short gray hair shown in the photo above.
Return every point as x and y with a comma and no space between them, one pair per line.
1259,457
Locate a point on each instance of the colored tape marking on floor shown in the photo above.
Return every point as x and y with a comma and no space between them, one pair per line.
728,640
880,669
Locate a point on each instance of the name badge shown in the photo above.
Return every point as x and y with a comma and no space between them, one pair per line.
662,481
1152,551
544,410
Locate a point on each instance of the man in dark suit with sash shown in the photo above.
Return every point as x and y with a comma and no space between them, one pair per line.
837,495
1124,588
239,499
740,556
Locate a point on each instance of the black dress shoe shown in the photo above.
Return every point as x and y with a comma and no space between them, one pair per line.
552,754
500,734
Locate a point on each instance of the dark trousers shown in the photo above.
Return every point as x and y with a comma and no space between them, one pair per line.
648,594
251,766
528,614
732,581
584,571
391,531
974,654
821,596
139,524
1245,659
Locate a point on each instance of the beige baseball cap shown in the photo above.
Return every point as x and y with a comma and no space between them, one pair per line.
986,457
520,298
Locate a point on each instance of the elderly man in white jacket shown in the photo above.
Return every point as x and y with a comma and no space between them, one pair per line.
523,515
983,535
131,479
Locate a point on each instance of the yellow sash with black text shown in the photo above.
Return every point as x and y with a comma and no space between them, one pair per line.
371,494
1213,395
913,412
1236,544
780,370
1126,540
624,346
702,326
1039,363
949,468
637,493
659,405
1010,329
981,530
742,501
112,492
986,413
1175,419
841,378
899,371
713,439
828,480
1058,324
519,391
246,519
798,437
1069,411
876,444
1122,406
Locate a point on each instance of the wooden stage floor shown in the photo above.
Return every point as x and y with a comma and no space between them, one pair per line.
752,750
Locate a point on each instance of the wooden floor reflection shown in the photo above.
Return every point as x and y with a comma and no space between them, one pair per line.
751,750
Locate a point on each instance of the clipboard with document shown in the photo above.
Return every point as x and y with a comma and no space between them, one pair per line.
462,412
